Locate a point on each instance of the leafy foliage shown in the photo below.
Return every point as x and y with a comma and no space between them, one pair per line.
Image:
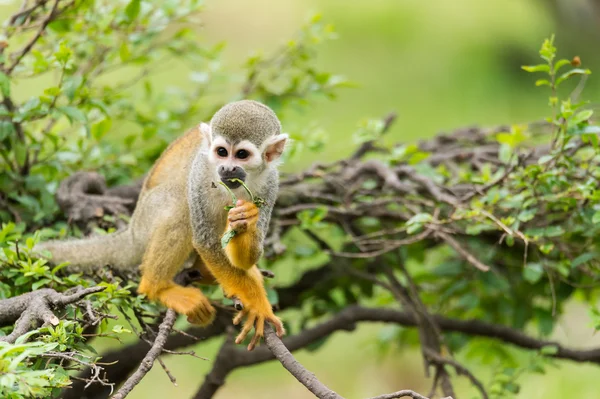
533,220
99,107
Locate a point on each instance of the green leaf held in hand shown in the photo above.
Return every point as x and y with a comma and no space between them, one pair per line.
228,236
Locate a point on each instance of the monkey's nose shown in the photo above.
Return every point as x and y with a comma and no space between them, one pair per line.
227,173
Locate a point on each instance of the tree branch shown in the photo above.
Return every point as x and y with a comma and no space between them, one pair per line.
287,360
35,38
151,356
34,307
403,394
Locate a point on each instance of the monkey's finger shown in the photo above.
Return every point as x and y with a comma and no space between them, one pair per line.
242,213
279,329
240,226
245,207
260,330
246,329
238,318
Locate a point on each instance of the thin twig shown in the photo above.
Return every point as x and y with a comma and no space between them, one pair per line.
34,39
460,369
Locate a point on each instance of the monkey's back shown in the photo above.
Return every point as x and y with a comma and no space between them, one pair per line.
174,163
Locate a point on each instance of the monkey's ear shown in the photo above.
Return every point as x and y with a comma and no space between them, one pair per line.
206,131
275,147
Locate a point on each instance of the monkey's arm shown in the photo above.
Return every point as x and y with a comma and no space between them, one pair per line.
240,277
167,250
245,248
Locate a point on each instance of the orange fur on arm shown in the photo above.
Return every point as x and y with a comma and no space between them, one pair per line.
244,249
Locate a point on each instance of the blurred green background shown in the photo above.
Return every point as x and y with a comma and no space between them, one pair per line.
440,65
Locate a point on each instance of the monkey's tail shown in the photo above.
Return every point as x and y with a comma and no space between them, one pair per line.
89,254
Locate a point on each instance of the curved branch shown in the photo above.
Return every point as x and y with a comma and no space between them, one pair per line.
287,360
151,356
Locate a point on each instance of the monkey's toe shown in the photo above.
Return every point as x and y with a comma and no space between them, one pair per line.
203,314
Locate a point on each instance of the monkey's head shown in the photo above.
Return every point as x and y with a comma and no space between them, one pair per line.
244,139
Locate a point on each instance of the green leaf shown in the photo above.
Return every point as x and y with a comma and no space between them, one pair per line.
596,217
548,51
572,72
533,272
587,130
63,55
543,82
39,283
124,52
71,85
228,236
561,63
581,117
4,84
119,329
547,248
132,10
72,113
554,231
6,129
583,258
99,129
536,68
549,350
420,218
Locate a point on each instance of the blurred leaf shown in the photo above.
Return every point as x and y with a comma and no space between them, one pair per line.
132,10
533,272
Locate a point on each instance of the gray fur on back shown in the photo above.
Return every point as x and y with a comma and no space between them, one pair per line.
245,120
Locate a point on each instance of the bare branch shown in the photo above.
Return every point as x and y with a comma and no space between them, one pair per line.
151,356
305,377
462,252
402,394
460,369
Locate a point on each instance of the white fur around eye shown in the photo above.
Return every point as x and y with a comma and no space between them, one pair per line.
212,151
254,160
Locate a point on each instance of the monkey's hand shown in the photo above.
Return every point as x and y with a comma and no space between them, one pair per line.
257,316
243,217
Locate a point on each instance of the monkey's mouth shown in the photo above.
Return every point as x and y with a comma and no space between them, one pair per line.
232,183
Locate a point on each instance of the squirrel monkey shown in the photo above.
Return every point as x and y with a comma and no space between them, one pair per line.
181,209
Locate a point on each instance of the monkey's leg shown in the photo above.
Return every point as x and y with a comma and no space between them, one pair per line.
207,277
167,250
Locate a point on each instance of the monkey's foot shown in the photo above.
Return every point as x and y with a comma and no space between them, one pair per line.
257,319
190,302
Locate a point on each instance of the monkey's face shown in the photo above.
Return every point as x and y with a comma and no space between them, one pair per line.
242,160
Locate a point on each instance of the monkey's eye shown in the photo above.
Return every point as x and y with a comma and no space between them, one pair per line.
242,154
222,152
